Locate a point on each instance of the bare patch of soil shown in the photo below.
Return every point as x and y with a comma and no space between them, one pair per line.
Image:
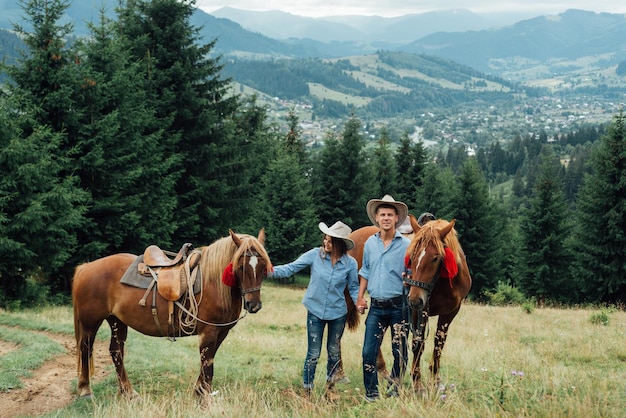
7,347
52,386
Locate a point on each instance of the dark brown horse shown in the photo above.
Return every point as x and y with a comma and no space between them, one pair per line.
98,295
439,282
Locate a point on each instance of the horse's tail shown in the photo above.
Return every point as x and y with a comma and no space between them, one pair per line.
353,316
78,329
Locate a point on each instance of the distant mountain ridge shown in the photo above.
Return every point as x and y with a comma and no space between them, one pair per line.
569,35
542,41
391,30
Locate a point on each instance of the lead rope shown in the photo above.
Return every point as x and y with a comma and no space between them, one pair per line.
188,322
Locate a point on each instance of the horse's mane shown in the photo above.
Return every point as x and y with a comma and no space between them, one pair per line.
429,232
216,257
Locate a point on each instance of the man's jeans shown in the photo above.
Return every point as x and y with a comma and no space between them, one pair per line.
315,331
377,322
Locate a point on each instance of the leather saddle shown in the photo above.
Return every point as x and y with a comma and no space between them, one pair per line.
173,276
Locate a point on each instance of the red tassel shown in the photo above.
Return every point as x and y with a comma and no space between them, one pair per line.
228,276
407,261
450,268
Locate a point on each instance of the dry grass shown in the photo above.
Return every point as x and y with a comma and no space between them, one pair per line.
498,361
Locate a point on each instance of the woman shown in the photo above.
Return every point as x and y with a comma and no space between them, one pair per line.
332,269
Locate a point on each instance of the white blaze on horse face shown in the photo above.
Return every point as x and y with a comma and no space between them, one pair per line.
419,259
253,263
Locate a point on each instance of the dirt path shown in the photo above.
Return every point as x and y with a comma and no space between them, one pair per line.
52,386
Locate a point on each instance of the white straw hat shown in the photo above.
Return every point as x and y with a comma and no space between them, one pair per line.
401,208
338,230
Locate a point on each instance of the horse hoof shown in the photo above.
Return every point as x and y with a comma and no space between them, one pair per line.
134,396
85,394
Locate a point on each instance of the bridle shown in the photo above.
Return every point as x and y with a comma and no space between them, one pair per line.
428,287
249,254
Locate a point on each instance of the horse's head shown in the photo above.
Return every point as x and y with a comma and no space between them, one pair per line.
425,259
251,264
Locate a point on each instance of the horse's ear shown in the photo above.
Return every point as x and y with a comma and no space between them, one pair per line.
235,238
261,236
446,229
416,227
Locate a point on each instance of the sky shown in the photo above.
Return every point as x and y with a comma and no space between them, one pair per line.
389,8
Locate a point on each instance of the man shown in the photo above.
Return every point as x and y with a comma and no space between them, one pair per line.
381,275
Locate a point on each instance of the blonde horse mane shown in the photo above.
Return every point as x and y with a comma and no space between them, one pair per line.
216,257
429,232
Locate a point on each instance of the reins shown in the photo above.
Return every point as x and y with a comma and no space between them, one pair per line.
421,323
192,316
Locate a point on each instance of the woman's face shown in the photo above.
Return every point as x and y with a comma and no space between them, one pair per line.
327,243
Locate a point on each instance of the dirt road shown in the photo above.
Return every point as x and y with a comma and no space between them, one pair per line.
52,386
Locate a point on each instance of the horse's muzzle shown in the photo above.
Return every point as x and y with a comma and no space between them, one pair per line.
417,304
252,307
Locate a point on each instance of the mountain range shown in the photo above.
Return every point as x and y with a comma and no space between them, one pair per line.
558,43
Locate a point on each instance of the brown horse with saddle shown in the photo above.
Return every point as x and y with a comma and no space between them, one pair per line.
196,292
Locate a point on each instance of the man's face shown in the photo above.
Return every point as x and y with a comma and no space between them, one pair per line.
386,218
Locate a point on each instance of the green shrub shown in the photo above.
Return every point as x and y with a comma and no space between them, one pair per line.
504,294
600,318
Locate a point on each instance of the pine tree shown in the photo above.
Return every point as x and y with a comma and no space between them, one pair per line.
191,100
339,178
288,211
411,158
49,74
600,242
45,211
478,228
384,167
435,194
121,159
41,208
545,258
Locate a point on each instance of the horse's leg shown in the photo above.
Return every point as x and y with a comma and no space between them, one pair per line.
119,332
85,338
418,350
443,324
209,341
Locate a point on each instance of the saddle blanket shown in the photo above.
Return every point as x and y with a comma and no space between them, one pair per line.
132,277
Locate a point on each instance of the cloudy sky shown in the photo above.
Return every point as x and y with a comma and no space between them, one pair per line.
317,8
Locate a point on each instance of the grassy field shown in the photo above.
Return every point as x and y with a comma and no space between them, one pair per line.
498,362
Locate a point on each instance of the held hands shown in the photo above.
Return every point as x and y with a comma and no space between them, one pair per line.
361,305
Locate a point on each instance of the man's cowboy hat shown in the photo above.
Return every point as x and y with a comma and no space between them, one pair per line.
401,208
338,230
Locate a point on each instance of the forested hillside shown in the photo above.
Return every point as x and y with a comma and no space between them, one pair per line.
134,137
391,83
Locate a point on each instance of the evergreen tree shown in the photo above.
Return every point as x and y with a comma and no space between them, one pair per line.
40,208
294,138
339,178
384,168
410,160
42,104
122,161
48,73
478,228
600,242
245,157
190,99
288,213
435,194
545,255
